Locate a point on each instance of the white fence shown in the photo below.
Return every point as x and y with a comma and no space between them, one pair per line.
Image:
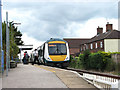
102,82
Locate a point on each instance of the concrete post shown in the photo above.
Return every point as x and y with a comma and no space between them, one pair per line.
7,45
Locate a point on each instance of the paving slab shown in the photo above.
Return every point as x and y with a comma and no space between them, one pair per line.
28,76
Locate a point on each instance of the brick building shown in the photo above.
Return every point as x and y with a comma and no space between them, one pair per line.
74,44
108,41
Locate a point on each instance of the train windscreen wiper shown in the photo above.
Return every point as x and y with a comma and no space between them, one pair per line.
58,51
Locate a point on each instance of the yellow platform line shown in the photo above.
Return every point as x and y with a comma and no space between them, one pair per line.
44,68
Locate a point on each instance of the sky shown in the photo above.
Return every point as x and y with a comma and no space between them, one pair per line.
44,19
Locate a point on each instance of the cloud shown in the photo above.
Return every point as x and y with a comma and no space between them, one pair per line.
31,41
89,29
43,20
59,1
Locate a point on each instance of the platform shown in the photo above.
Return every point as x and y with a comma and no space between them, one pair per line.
39,76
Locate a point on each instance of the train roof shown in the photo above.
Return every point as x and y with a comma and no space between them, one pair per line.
55,39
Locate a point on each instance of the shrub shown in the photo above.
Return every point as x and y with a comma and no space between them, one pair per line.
85,59
100,61
110,66
71,58
72,62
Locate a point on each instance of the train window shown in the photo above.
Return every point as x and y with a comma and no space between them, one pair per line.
40,52
57,49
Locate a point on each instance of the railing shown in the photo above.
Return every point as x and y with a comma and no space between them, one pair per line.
100,80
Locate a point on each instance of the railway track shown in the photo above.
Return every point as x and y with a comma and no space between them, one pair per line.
100,80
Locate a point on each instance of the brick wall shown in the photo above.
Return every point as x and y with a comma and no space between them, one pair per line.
94,47
73,51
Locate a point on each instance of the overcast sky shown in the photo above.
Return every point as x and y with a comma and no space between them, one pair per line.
40,20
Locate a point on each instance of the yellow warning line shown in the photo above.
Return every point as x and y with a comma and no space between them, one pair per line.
44,68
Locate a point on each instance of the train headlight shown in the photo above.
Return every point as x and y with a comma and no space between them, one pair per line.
66,59
49,59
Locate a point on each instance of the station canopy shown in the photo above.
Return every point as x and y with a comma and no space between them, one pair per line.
25,47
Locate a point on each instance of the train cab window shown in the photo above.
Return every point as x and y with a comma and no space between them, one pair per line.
57,49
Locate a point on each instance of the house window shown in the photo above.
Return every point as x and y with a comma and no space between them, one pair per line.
96,45
91,46
101,45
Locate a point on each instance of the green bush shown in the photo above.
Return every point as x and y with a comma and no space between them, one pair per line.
110,66
71,58
78,63
100,61
72,62
85,59
97,62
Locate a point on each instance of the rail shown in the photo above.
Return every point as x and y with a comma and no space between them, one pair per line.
100,80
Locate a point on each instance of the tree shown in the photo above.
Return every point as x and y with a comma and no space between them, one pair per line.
13,33
16,34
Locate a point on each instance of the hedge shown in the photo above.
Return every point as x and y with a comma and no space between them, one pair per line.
100,61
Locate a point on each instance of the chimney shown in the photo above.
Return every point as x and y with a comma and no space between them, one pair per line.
99,30
108,27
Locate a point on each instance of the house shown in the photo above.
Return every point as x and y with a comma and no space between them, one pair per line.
108,41
74,44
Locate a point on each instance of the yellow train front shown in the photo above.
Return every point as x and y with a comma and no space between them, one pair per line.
54,52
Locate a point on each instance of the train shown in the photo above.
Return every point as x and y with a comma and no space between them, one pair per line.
54,52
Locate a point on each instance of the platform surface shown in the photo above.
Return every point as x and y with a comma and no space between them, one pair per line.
28,76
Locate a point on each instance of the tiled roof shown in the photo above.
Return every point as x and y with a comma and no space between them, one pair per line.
75,43
113,34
